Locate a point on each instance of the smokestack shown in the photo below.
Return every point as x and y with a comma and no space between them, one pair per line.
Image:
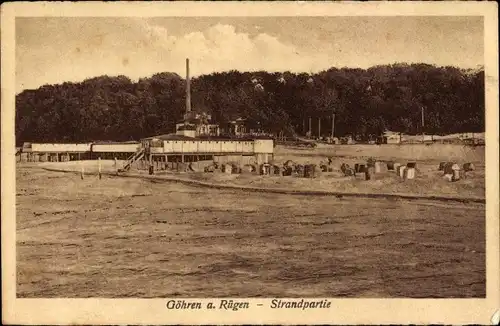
188,88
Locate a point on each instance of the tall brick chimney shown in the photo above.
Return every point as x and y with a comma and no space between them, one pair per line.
188,88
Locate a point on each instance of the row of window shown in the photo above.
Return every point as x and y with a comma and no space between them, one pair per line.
208,141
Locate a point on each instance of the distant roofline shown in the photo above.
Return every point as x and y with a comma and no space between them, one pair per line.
56,143
182,137
115,142
100,142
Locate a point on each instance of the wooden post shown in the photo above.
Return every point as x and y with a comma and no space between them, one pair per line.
99,167
423,124
333,124
82,171
310,126
319,128
116,166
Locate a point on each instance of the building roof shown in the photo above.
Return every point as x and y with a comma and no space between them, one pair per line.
169,137
182,137
29,144
103,142
195,122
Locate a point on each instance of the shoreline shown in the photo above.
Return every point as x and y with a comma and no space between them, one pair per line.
228,186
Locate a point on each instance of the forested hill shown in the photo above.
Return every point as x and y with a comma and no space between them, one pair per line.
366,102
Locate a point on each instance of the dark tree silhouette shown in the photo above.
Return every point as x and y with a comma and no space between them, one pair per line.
366,103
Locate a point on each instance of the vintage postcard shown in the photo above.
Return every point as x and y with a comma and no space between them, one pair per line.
250,163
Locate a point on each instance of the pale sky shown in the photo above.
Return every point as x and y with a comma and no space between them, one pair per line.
55,50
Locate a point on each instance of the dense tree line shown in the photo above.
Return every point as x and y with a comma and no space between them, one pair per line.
365,102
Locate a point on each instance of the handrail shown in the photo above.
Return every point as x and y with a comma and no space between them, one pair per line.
133,158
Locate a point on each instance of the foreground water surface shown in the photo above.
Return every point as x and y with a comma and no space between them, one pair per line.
136,238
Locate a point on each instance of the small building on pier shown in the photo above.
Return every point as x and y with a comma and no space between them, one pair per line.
182,148
197,124
62,152
53,152
112,150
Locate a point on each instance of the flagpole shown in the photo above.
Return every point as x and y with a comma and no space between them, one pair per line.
423,125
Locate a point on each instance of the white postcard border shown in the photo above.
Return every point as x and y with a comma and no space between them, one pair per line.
342,311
